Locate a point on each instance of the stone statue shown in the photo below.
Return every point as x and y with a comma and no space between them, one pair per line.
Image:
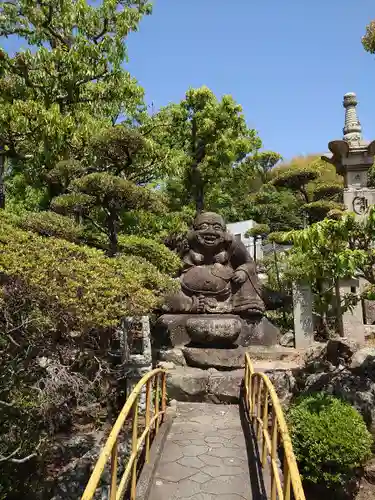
218,275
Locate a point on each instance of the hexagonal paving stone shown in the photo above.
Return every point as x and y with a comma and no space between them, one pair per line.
174,472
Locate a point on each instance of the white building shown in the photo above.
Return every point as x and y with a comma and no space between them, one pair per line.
239,230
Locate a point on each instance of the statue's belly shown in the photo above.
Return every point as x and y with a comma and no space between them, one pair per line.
200,280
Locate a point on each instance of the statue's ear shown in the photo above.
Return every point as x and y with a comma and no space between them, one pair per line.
190,235
228,237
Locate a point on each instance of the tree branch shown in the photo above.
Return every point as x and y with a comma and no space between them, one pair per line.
103,32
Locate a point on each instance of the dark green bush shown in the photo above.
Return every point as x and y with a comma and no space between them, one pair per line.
330,439
156,253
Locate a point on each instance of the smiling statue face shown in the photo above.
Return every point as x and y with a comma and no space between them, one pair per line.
209,229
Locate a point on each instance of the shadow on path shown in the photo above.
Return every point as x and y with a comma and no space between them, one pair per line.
255,469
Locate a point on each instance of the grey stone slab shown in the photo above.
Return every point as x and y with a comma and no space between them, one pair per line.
228,485
174,472
171,453
194,451
191,462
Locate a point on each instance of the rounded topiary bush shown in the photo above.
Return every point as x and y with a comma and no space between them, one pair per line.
330,439
158,254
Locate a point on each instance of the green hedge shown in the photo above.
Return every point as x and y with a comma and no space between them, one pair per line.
330,439
156,253
51,224
60,306
75,286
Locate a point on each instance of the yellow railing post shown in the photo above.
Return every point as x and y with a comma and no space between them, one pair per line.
157,403
134,449
113,491
110,449
262,401
148,418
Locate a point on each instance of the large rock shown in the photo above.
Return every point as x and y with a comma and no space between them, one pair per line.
187,384
284,383
259,331
225,387
170,331
370,471
287,340
214,330
196,385
340,351
174,355
364,361
369,310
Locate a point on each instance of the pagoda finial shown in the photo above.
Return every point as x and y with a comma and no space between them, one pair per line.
352,129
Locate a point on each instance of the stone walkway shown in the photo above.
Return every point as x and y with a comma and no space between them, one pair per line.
205,456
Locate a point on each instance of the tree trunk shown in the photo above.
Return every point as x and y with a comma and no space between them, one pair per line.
2,186
112,234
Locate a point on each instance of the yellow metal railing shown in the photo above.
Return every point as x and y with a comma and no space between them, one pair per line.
155,384
271,431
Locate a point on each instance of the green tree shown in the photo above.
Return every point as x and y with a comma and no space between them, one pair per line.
329,251
298,193
100,199
68,84
209,138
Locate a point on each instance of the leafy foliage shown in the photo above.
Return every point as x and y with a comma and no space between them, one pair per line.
101,198
75,287
258,230
158,254
297,194
210,139
330,439
61,308
51,224
69,83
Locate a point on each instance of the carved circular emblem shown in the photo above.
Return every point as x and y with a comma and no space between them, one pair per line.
360,205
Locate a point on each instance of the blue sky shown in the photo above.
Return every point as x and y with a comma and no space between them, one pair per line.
287,62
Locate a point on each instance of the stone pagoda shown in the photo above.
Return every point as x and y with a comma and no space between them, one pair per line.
353,157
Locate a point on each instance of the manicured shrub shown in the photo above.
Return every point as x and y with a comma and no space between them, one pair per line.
76,287
330,439
156,253
51,224
258,230
60,309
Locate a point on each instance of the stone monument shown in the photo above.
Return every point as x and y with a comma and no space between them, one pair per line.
218,311
353,157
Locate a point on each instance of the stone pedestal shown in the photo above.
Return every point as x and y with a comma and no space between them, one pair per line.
205,354
172,330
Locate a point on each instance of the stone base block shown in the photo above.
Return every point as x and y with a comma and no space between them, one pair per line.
259,332
171,330
196,385
233,359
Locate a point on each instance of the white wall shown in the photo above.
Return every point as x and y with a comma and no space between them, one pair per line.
241,228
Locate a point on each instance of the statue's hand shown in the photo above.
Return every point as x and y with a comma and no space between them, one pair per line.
239,277
201,304
221,258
